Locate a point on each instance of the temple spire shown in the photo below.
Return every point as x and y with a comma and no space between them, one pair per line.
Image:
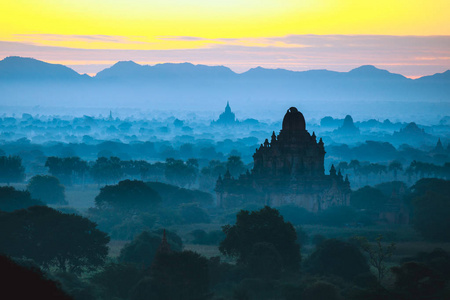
332,170
274,137
164,247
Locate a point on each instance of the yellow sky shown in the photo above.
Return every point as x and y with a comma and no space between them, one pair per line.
152,24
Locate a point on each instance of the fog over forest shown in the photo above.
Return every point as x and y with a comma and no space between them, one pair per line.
182,181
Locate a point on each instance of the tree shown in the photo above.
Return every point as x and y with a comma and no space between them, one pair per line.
66,167
181,173
368,198
51,238
264,261
263,226
107,170
438,260
175,196
209,174
192,214
343,166
339,258
321,290
47,188
117,279
11,199
175,276
378,254
416,281
143,248
235,165
127,194
395,166
19,282
431,204
377,169
11,169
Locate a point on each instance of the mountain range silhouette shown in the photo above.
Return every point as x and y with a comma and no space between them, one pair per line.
32,82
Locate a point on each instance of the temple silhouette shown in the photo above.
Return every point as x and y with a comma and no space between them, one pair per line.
287,170
227,117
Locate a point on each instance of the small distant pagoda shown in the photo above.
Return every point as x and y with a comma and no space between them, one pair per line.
348,128
164,247
439,149
226,118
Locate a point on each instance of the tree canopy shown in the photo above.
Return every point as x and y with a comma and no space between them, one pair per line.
47,189
176,275
51,238
143,248
11,169
181,173
11,199
262,226
19,282
336,257
127,194
431,203
368,198
106,170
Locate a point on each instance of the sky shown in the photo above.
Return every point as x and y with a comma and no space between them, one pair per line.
407,37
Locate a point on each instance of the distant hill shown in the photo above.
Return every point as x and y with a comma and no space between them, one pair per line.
129,70
20,68
127,84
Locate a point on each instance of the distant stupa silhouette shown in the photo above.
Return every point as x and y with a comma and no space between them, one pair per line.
439,148
227,117
348,127
164,247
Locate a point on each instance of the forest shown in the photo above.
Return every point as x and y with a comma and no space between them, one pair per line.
105,207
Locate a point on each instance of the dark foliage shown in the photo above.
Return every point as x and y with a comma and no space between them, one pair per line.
11,169
321,290
416,281
175,276
263,226
142,250
431,202
11,199
47,189
106,170
339,258
368,198
67,168
129,195
19,282
51,238
181,173
174,195
76,286
438,260
193,214
392,188
117,280
265,261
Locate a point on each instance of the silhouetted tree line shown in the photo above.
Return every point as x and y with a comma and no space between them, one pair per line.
377,172
74,170
263,244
